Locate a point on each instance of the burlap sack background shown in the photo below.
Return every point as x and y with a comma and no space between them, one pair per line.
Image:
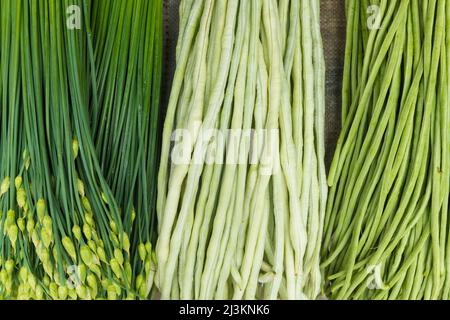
333,33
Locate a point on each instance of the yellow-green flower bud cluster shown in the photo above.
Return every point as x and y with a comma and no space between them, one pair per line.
101,272
144,281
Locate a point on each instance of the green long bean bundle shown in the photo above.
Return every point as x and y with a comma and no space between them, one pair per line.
242,186
386,227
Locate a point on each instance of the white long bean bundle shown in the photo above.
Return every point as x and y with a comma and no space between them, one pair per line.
242,186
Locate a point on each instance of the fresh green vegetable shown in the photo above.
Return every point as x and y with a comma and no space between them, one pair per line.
66,227
242,186
386,228
128,53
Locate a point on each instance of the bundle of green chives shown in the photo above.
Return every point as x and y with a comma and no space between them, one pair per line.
386,228
242,218
127,45
63,231
11,147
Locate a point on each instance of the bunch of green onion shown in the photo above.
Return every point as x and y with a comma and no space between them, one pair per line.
386,228
243,229
65,230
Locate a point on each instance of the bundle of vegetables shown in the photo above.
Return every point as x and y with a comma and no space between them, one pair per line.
128,45
63,232
242,187
386,228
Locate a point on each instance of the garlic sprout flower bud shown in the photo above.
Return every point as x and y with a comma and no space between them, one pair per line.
47,222
23,274
10,218
35,238
39,293
82,272
3,276
126,243
18,182
80,187
114,239
47,237
104,198
148,247
62,293
92,245
118,255
82,292
4,187
86,255
113,226
87,231
21,197
148,266
32,281
48,268
9,266
115,267
96,270
53,288
139,280
101,254
26,158
142,290
46,281
75,148
13,232
128,271
21,224
76,230
89,217
133,216
86,204
40,209
30,225
70,248
92,282
111,292
72,294
142,251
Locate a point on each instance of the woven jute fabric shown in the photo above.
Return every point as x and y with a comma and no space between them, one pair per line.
333,34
